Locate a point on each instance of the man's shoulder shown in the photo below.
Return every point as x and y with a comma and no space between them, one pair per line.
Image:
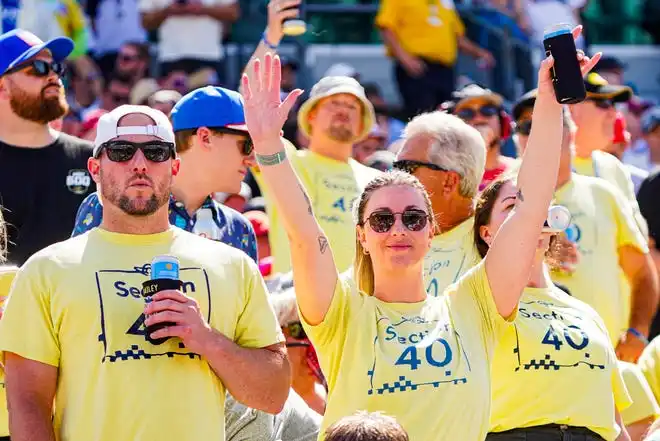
232,216
597,186
213,252
75,146
60,254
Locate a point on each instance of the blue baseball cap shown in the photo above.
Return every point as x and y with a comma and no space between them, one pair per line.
209,106
19,45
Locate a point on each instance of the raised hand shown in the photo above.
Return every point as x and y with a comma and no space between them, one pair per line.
278,11
265,112
545,87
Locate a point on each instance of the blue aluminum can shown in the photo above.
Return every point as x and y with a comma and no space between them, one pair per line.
165,267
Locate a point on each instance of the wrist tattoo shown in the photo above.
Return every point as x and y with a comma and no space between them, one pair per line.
323,244
519,195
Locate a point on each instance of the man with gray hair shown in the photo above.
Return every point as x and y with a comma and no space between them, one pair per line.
448,157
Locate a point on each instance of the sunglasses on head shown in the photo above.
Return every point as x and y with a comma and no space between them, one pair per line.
410,166
154,151
469,113
524,127
40,68
382,221
246,145
604,104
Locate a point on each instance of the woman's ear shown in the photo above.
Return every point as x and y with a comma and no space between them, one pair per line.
484,232
361,237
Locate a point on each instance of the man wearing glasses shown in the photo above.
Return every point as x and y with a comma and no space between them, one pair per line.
43,173
216,152
91,352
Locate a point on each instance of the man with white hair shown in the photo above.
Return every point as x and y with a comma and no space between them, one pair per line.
448,156
93,352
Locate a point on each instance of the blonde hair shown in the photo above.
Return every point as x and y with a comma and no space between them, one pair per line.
457,146
363,271
3,238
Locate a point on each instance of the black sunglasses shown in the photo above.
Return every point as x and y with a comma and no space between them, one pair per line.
604,104
382,221
524,127
410,166
469,113
40,68
154,151
246,146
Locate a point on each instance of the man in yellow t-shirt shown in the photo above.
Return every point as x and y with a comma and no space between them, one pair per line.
614,273
91,350
7,274
447,156
423,37
644,410
595,119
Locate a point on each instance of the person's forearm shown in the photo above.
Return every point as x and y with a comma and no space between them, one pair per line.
258,378
30,422
644,299
467,46
390,40
228,13
152,20
538,170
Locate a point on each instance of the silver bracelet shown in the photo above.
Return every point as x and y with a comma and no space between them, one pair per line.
274,159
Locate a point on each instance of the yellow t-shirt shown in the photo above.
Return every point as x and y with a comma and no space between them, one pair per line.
602,222
558,347
606,166
80,302
451,255
332,186
426,363
7,274
644,404
649,362
426,28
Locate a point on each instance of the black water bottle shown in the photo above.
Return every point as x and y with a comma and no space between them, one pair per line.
566,75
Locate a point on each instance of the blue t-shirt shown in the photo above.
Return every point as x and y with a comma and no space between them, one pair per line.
235,229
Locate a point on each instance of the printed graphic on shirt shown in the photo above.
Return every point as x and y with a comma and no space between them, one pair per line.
121,304
442,267
551,337
415,353
340,191
78,181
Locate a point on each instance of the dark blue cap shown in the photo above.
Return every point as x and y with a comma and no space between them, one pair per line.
209,106
19,45
651,119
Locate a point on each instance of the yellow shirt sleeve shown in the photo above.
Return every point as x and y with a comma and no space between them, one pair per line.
649,363
27,328
628,232
387,14
7,275
257,326
644,404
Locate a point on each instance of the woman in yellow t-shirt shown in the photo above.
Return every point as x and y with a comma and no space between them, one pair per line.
387,346
555,370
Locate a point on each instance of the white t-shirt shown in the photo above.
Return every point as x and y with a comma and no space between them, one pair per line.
193,37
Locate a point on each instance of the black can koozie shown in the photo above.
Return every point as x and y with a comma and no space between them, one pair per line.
149,288
566,74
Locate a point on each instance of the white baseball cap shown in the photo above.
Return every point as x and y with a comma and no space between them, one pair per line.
108,125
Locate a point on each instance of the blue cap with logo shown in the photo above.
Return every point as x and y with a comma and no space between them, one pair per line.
209,106
19,45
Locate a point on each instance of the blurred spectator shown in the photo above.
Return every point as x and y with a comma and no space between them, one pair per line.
86,89
164,100
201,78
620,143
189,32
633,112
366,427
142,90
289,74
256,204
236,201
385,120
132,62
114,23
508,15
307,379
88,126
646,153
611,69
259,221
117,92
374,141
644,410
424,40
176,80
382,160
482,109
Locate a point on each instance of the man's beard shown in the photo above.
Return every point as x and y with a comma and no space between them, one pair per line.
39,109
111,194
340,134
